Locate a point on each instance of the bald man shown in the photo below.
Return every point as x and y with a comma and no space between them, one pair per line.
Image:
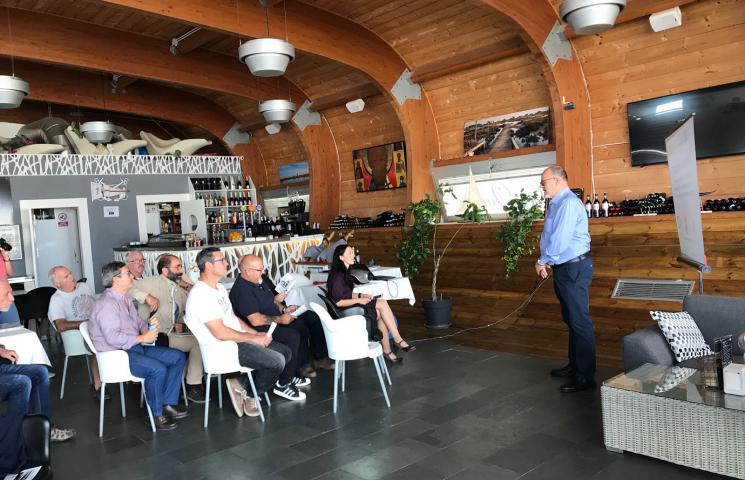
70,306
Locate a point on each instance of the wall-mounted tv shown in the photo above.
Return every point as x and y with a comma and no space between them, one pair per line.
719,122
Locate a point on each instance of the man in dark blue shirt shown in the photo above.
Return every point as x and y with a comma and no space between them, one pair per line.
565,249
254,301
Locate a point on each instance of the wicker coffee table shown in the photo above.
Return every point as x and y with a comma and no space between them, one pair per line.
665,412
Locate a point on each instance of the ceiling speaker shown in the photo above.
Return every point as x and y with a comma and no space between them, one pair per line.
273,128
588,17
666,19
356,105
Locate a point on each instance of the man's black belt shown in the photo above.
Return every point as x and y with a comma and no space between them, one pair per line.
574,260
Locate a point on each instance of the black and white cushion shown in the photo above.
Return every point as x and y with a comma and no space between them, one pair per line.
682,334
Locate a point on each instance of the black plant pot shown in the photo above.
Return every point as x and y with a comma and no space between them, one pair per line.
437,312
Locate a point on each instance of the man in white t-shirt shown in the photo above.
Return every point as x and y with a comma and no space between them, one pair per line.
208,303
70,306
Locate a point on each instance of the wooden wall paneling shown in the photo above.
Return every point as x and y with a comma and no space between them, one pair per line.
630,247
279,149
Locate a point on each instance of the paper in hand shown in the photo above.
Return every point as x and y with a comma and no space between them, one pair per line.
286,283
271,329
299,311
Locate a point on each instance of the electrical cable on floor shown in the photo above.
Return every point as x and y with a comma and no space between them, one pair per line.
481,327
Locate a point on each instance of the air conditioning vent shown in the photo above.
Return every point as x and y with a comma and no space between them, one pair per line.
670,290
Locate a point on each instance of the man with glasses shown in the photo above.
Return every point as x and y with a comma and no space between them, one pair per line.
209,304
167,288
565,249
116,325
136,265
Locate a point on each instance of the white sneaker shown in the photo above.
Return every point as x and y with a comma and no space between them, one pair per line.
237,394
289,391
300,381
61,434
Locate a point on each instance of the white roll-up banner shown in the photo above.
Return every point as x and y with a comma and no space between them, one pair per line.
681,163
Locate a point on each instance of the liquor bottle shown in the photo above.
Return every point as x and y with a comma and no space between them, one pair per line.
596,207
198,184
588,207
605,205
357,256
232,182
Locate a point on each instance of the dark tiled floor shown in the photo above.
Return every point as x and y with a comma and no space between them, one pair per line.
457,413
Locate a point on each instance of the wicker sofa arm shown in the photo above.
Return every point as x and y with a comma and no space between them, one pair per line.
647,345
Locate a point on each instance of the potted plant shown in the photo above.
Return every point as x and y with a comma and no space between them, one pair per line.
415,248
516,233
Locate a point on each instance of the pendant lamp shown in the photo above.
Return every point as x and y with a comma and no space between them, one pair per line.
98,132
277,111
12,91
266,57
588,17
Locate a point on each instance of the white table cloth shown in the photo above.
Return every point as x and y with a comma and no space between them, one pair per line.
26,344
396,289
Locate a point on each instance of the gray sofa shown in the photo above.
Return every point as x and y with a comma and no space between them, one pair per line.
715,316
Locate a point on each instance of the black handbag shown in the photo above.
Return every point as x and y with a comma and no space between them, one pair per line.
162,340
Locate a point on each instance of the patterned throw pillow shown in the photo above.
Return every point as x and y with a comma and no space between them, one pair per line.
682,334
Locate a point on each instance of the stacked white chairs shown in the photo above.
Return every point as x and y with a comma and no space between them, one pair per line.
220,357
347,339
113,367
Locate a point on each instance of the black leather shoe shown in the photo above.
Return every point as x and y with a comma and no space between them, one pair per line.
95,393
577,384
564,372
175,411
164,422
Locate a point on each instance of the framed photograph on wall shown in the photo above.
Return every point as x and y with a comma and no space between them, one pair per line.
294,172
381,167
513,131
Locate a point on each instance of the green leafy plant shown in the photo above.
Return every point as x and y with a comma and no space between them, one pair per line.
425,215
516,233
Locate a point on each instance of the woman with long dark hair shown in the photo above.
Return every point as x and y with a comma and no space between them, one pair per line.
340,286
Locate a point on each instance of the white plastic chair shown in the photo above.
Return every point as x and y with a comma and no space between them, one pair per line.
74,346
113,367
347,339
219,357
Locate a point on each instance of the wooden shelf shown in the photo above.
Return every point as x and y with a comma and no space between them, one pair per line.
443,162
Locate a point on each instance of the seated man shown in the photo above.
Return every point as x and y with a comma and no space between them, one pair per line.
115,325
311,253
136,265
255,301
166,287
70,306
208,303
327,255
25,389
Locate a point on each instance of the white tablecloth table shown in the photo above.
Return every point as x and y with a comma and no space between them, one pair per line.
396,289
26,344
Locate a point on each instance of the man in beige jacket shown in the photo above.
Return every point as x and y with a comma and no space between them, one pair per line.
170,290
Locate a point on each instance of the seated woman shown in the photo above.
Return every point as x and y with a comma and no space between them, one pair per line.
340,286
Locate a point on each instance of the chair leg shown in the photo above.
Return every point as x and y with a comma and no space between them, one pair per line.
90,376
207,401
382,384
219,390
384,367
149,411
183,389
343,375
64,376
100,412
336,383
121,397
256,395
268,401
142,396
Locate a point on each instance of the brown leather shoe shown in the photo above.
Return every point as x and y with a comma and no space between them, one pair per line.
164,422
307,372
324,364
175,411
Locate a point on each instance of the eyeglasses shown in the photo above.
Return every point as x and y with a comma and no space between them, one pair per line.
255,269
140,260
217,260
123,273
543,182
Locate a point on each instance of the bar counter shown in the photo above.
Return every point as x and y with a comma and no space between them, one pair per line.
279,254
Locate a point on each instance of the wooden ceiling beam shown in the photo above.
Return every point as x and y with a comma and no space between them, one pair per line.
641,8
340,98
196,40
470,59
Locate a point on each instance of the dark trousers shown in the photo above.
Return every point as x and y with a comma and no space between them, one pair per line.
308,325
162,369
572,287
267,364
289,338
25,389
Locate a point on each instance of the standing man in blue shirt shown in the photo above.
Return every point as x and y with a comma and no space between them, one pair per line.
565,249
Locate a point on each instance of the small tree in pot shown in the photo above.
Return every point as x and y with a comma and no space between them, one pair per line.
415,248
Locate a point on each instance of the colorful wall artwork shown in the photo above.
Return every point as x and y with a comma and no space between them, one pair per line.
381,167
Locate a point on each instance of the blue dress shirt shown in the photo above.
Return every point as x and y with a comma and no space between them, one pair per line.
565,234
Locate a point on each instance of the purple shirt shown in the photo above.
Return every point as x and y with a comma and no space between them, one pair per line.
114,322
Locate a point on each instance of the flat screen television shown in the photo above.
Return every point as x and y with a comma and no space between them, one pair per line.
719,123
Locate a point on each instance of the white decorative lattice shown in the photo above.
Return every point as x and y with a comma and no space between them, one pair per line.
279,256
37,165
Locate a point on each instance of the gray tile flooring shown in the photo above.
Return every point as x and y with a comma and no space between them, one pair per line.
457,413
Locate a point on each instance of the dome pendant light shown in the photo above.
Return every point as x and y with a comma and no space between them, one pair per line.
12,88
267,57
588,17
277,111
99,132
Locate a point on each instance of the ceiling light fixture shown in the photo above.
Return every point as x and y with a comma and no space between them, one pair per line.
267,57
588,17
12,88
99,132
